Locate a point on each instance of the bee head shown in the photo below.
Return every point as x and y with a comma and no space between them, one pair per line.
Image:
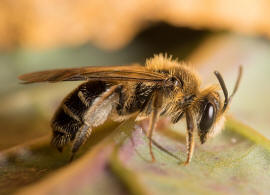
212,109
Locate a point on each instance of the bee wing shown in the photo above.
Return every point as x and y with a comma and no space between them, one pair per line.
117,73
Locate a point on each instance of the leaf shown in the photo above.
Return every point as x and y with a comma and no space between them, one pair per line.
233,163
236,162
28,163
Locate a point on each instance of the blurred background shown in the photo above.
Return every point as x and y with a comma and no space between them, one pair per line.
210,35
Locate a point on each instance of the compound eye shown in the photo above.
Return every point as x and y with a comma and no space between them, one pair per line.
207,117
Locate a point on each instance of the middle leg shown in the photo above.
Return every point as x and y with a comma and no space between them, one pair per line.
156,105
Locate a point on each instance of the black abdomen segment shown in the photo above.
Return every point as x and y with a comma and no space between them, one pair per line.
69,117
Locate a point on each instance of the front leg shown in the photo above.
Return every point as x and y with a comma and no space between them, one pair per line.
190,136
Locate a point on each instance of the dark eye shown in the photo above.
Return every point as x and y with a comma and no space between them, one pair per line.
207,117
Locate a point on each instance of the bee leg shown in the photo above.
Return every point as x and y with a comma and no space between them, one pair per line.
156,103
152,124
190,136
95,116
84,132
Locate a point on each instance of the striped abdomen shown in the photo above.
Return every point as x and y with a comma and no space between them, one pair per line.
69,117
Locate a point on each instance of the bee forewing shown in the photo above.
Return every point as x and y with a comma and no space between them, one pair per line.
120,73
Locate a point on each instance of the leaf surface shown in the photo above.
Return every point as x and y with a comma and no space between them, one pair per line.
236,162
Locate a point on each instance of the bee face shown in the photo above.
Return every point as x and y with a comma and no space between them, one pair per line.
210,114
212,108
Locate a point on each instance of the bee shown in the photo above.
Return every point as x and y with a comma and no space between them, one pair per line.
164,87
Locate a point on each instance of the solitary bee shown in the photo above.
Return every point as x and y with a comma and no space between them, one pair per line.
163,87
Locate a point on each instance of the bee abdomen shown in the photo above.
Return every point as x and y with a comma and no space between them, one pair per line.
64,128
69,117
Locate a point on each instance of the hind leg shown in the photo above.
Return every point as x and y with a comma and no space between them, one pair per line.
83,134
95,116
